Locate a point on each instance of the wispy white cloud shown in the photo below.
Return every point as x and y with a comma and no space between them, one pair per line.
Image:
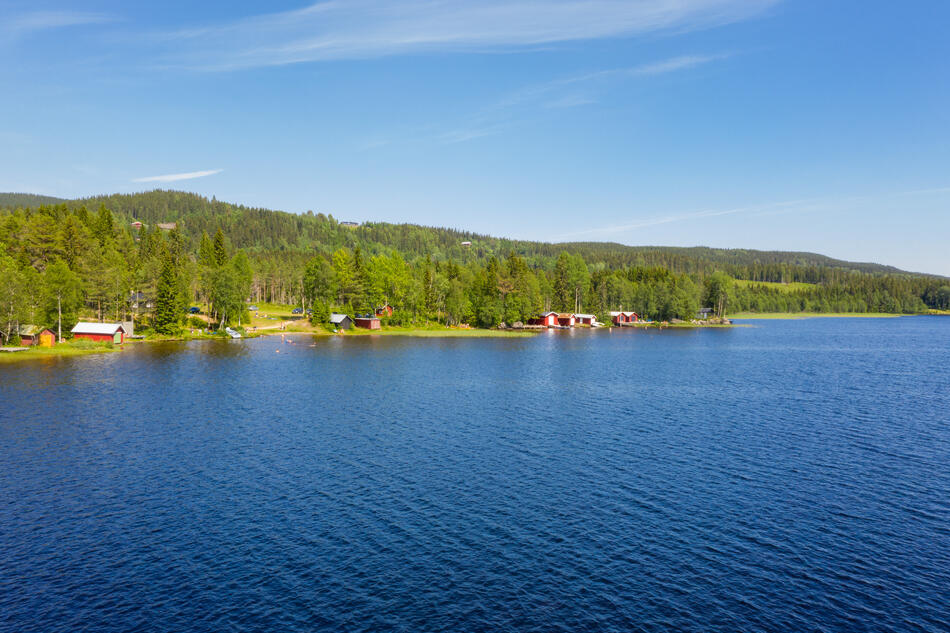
357,29
176,177
804,205
775,208
43,20
565,92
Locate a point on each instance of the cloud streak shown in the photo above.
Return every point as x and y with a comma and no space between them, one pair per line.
359,29
191,175
804,205
44,20
775,208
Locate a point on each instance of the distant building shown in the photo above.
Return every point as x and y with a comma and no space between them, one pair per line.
101,332
704,313
167,226
466,244
367,322
341,321
136,225
619,317
585,319
138,300
350,224
37,335
566,319
384,310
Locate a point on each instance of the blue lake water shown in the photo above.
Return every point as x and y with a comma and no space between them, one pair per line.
792,476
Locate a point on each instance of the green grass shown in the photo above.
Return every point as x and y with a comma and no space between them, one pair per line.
810,315
61,350
789,287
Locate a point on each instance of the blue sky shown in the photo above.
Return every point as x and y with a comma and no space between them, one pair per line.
770,124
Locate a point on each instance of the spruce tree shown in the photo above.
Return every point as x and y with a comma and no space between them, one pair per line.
220,251
166,301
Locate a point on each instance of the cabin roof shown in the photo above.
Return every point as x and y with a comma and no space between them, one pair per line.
544,314
338,318
584,316
97,328
31,330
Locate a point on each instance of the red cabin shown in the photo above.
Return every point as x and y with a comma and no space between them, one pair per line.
624,317
367,322
100,332
567,320
386,310
585,319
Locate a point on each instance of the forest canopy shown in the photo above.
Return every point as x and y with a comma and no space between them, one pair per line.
154,254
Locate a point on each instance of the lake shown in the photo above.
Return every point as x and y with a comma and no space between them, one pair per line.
789,476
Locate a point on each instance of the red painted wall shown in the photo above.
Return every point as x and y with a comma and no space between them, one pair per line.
102,338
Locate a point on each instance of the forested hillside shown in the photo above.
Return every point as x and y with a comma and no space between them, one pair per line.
179,248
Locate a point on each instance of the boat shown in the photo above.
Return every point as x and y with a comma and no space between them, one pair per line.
232,333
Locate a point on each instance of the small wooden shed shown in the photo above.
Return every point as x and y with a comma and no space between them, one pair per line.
37,335
585,319
566,319
341,321
100,332
367,322
384,310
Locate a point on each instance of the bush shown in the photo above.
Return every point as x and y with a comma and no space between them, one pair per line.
83,343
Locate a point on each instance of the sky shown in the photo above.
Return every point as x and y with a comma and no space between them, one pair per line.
763,124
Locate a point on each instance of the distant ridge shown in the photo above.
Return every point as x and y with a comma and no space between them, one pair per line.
257,229
27,200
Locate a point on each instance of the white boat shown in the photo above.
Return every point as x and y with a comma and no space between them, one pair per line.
232,333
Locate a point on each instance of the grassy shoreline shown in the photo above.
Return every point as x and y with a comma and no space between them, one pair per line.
64,350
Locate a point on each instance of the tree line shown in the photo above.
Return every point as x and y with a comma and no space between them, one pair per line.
61,260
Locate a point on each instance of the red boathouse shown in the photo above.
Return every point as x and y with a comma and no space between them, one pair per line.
100,332
367,322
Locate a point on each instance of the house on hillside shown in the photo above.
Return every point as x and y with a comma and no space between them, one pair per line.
167,226
384,310
341,321
37,335
100,332
704,313
566,319
367,322
585,319
350,225
466,244
138,301
621,317
137,225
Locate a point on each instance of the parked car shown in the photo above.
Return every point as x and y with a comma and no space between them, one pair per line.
194,310
297,311
252,308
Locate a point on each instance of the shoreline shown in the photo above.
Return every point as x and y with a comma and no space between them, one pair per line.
752,316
